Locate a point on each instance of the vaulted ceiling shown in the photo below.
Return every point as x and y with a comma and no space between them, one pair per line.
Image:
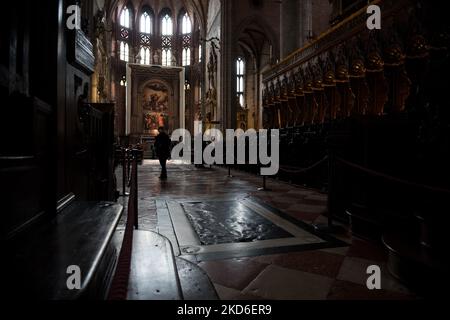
200,7
253,40
254,37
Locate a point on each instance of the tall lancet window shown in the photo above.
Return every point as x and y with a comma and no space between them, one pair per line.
125,18
146,23
145,55
146,31
166,39
125,34
186,33
186,24
240,75
124,51
167,25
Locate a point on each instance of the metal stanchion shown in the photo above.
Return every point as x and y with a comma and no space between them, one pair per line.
264,187
229,172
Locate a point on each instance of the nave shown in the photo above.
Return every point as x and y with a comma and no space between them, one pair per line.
359,206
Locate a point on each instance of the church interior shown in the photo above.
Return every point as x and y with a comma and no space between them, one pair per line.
357,210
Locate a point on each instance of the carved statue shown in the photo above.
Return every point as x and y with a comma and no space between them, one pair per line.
212,66
156,57
211,101
174,59
101,56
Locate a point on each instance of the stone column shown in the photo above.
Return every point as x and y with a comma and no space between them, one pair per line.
291,26
227,107
307,21
296,25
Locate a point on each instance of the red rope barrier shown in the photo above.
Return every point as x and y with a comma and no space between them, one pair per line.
391,178
119,285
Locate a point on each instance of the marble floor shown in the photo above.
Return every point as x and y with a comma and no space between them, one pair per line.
335,271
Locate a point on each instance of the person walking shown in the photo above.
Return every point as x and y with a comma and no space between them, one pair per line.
162,148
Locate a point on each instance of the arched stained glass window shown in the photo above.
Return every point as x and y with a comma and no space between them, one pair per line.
124,51
240,87
125,18
186,25
186,56
124,34
146,23
145,55
146,31
186,38
167,57
167,25
166,39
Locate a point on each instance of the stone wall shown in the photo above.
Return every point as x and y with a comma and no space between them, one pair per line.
321,13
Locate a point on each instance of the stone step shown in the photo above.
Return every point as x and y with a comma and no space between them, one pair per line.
153,274
195,282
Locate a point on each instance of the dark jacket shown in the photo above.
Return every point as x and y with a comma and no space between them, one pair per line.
162,146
